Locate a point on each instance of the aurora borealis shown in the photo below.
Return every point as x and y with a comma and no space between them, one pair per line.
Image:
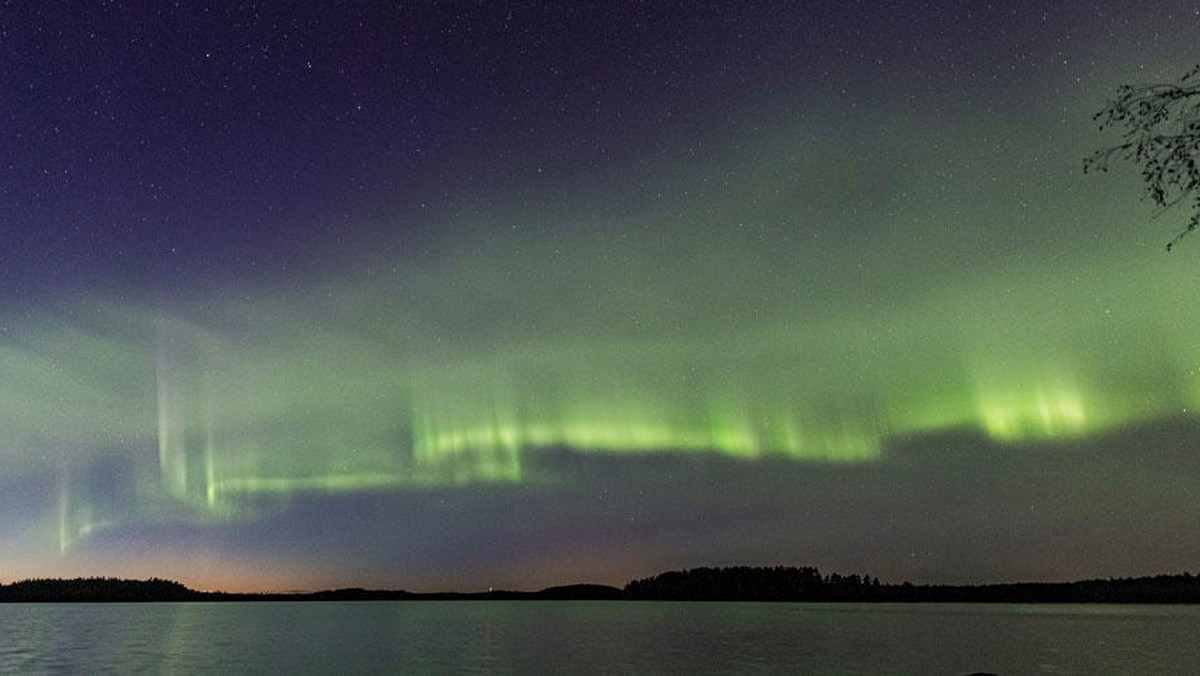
300,297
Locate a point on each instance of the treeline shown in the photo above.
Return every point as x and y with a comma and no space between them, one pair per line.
807,584
96,589
115,590
574,592
742,583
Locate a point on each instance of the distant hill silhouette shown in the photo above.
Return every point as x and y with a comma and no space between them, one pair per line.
582,592
780,584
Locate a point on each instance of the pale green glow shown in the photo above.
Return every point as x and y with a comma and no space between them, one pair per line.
283,485
732,328
320,409
1045,415
283,406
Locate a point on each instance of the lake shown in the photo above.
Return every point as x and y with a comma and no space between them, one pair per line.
598,636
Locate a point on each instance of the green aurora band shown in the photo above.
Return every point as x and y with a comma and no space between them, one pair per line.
723,326
281,397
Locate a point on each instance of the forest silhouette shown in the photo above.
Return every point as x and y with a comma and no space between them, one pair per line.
742,583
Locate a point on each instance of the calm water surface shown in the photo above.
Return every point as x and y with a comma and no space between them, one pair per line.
590,637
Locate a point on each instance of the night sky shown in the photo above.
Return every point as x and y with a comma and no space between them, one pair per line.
302,295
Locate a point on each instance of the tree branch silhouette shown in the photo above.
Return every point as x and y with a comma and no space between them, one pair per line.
1161,133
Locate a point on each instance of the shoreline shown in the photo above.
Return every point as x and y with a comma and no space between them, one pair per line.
724,585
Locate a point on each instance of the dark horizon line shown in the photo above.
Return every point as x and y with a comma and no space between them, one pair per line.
742,583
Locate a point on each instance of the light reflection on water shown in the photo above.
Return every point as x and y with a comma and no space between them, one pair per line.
559,637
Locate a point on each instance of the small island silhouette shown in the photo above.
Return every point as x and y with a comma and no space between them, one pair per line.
742,583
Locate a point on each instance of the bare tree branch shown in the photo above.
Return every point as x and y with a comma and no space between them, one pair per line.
1161,133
